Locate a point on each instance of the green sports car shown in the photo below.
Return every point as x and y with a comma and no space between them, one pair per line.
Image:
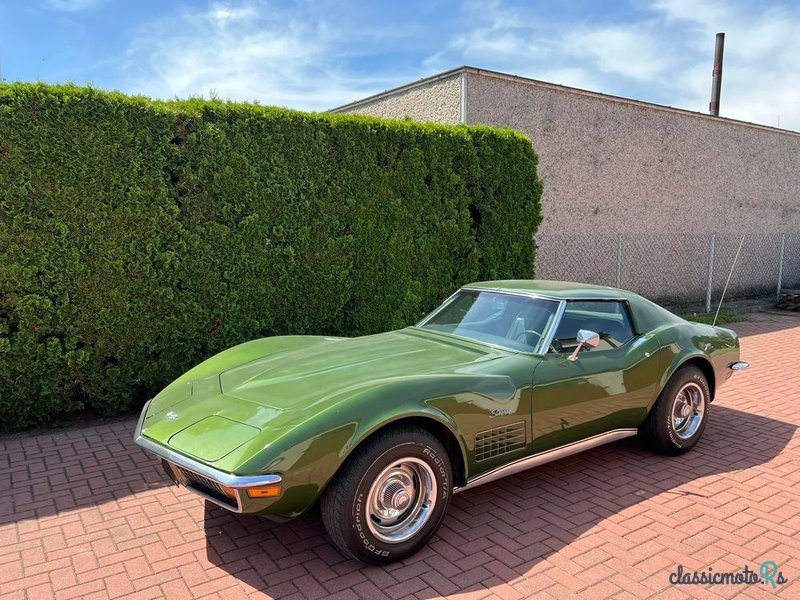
383,429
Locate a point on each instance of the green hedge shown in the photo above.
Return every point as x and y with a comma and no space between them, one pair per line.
138,237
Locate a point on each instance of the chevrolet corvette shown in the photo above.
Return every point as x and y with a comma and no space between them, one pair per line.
382,430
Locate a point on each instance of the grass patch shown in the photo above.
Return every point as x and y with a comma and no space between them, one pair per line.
723,318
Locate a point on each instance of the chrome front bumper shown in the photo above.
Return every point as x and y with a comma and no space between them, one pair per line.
200,478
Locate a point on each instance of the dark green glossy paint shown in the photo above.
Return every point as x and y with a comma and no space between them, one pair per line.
299,405
602,390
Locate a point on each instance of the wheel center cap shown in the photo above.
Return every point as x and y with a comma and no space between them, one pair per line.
400,500
686,411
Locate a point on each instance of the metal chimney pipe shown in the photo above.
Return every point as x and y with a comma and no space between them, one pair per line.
716,80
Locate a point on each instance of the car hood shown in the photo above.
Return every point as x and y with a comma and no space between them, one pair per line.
308,377
282,382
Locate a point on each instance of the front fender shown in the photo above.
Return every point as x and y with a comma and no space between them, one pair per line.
310,455
433,397
430,413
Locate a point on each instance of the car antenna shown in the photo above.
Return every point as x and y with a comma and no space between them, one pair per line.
721,298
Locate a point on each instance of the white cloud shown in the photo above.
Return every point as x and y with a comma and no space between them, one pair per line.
502,40
249,50
72,5
760,81
317,55
702,12
523,43
621,50
661,53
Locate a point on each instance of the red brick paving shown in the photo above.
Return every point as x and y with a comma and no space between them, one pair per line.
85,514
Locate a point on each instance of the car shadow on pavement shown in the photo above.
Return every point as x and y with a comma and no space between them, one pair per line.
501,530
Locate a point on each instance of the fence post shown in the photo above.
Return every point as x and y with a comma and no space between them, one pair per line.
712,246
619,261
780,266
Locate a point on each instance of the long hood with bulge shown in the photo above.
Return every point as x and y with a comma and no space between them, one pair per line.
304,379
210,416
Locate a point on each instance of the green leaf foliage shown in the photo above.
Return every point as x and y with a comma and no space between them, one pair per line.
138,237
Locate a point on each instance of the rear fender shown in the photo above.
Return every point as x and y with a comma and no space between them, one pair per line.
714,347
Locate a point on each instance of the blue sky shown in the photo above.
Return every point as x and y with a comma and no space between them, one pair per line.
319,54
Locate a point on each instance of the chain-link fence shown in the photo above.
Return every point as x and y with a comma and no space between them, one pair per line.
675,269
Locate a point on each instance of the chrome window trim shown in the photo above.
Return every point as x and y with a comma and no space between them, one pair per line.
544,343
545,296
535,460
527,294
190,464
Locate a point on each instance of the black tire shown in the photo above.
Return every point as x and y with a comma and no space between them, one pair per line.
660,431
345,503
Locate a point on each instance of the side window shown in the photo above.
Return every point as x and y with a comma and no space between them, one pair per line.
608,318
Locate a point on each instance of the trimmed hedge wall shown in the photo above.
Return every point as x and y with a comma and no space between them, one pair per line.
139,237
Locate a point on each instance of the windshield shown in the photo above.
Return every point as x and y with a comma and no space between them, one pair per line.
508,320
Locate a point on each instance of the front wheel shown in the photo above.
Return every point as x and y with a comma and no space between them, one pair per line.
676,422
388,499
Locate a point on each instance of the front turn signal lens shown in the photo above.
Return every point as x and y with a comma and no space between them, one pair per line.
269,491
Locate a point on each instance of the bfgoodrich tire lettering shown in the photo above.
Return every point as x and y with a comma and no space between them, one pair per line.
389,498
677,420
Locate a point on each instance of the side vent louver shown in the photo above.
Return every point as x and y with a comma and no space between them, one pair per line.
500,440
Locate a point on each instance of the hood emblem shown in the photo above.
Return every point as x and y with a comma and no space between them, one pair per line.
172,415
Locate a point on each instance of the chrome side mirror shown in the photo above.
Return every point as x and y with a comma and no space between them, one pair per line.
584,338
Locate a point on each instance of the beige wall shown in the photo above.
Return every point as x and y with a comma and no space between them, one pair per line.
438,101
621,166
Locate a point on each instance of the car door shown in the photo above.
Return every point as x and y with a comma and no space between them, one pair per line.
606,388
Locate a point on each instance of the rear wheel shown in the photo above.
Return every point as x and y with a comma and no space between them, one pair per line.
676,422
388,499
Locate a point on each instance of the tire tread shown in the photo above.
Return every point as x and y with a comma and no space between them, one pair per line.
333,505
651,432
